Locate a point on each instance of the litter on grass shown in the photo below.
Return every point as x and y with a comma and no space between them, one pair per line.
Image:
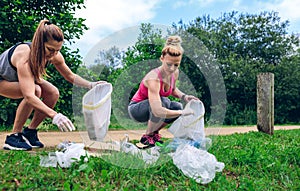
149,156
66,154
196,163
188,148
191,145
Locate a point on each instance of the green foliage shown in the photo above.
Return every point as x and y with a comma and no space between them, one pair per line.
238,46
18,21
241,45
7,112
244,46
287,90
138,61
253,161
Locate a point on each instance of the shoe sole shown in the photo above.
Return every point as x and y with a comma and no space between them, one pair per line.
27,141
8,147
143,146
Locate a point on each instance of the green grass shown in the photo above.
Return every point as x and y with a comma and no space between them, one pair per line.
253,161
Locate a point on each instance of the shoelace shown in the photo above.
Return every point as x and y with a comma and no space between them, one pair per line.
157,137
149,139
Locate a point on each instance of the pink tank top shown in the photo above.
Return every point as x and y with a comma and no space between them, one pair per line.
142,92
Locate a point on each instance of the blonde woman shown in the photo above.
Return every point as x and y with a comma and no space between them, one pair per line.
22,68
151,103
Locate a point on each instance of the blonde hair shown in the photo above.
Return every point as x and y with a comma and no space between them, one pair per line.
173,46
45,32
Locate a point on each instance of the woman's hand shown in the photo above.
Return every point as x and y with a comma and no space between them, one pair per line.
187,111
188,98
93,84
63,123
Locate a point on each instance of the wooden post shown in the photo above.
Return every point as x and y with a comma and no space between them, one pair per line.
265,103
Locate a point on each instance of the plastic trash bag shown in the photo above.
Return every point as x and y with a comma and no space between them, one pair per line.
190,126
67,154
71,154
149,156
96,105
197,163
49,160
129,148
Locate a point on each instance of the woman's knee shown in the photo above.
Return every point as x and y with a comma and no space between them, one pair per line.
55,93
176,105
52,93
138,112
38,91
165,102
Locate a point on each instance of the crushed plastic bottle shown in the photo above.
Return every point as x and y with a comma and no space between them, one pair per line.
204,143
125,139
64,145
129,148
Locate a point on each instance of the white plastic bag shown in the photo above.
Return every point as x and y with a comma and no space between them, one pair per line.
149,156
197,163
96,105
67,154
49,160
190,126
71,154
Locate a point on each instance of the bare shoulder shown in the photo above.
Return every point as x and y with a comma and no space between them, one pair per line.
20,55
151,77
57,59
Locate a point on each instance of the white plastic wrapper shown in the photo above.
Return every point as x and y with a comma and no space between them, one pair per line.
96,105
190,126
149,156
197,163
72,152
70,155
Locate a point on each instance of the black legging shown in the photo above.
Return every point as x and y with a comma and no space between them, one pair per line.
141,111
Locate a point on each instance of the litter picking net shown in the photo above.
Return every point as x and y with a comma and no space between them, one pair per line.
190,126
96,105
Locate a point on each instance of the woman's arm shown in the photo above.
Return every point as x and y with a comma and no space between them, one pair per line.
153,85
177,93
59,62
27,87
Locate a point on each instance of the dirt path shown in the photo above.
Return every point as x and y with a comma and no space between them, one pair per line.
52,139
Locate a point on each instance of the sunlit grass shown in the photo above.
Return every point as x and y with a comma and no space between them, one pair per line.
253,161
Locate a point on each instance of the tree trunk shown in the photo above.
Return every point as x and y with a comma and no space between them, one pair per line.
265,103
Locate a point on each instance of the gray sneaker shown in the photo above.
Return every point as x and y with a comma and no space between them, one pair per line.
16,142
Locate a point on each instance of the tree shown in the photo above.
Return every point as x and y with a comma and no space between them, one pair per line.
246,45
138,60
287,90
18,21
